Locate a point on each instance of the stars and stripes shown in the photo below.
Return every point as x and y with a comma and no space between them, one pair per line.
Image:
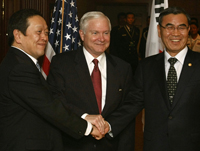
63,33
154,44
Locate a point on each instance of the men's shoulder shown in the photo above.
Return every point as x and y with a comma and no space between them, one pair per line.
117,60
64,55
152,58
15,57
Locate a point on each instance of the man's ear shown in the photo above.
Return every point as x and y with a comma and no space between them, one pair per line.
81,33
17,36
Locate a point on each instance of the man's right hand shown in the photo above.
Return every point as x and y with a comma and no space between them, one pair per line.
96,134
98,121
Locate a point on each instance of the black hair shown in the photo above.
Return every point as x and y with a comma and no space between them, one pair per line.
175,11
193,23
193,18
130,13
19,20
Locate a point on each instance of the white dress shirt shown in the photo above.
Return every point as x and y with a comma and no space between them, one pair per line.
102,67
178,65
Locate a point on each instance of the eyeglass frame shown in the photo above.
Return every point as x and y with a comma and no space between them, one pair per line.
178,28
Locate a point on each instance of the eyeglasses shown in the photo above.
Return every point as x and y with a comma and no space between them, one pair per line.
171,28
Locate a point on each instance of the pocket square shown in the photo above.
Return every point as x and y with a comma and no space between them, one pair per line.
120,90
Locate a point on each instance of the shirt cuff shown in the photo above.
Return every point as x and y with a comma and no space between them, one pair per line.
89,129
84,115
89,125
110,131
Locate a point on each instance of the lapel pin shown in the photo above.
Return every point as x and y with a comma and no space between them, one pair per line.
120,89
189,64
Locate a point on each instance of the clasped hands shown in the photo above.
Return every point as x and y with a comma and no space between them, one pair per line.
100,126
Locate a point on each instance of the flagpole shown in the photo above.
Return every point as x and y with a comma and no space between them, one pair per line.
61,40
64,22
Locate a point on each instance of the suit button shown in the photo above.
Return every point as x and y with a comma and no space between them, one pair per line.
95,145
170,117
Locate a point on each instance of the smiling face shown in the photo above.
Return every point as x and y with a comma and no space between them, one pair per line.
36,38
96,38
174,41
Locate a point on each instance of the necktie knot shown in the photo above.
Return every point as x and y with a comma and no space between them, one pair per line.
172,61
95,61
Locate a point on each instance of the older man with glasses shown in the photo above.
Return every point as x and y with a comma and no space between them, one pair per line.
168,86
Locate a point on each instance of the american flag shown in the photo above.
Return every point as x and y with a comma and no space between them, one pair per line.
63,33
154,44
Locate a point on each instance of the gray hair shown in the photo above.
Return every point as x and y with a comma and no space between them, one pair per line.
91,15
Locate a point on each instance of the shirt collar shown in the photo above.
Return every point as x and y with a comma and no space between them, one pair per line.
32,58
180,56
90,58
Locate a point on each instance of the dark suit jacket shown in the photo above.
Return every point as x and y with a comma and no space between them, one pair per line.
29,117
175,128
69,79
143,42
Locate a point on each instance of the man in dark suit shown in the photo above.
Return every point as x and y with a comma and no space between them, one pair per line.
29,117
172,112
70,79
125,44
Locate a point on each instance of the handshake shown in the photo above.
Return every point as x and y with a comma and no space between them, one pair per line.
99,126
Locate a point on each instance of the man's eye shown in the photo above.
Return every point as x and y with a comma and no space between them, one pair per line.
182,27
170,27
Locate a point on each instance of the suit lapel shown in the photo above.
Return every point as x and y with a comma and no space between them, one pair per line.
186,74
112,83
85,80
27,60
160,75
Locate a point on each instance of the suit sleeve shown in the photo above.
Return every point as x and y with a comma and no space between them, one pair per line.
132,103
27,90
57,84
